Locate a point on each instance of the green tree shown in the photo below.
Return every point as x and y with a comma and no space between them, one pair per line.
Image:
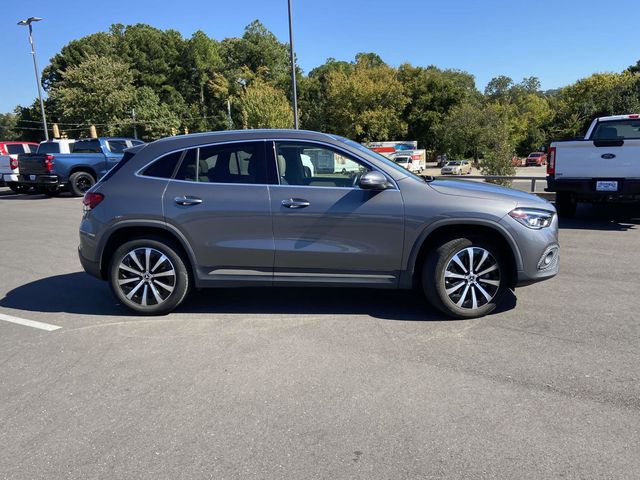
264,106
8,124
99,91
365,102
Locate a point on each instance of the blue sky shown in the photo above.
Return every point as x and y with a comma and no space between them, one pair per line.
558,41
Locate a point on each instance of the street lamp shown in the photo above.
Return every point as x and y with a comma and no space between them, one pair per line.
293,71
27,23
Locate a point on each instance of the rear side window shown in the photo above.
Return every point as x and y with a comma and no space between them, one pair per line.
229,163
15,148
87,146
163,167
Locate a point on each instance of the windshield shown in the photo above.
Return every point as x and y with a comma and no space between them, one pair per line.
535,155
379,157
452,164
401,159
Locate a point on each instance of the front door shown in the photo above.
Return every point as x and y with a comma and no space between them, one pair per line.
326,228
219,200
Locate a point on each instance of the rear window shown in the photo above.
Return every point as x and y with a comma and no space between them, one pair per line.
617,129
14,148
48,147
86,146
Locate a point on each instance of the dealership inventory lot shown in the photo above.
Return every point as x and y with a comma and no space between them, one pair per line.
286,383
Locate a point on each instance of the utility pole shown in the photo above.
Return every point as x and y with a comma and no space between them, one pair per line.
135,128
24,23
293,71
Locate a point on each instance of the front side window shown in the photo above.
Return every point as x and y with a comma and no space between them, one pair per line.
316,165
227,163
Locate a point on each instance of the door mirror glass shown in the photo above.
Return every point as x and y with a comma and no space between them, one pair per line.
373,180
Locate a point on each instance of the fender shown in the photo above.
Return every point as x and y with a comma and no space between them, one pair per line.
159,224
406,277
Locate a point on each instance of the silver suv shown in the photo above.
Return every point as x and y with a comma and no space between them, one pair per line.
297,208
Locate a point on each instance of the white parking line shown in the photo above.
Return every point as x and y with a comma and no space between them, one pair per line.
29,323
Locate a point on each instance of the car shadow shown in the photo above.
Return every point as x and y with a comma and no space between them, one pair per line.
79,293
612,217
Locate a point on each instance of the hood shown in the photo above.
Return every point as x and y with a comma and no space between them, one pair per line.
488,191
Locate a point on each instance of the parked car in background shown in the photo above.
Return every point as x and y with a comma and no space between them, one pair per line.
462,167
536,159
604,167
77,171
9,171
235,208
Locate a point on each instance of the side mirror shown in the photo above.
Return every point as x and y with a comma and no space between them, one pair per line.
373,181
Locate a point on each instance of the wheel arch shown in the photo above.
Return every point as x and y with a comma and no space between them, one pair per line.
84,168
128,231
456,228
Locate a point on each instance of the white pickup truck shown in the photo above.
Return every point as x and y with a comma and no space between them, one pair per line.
9,152
602,167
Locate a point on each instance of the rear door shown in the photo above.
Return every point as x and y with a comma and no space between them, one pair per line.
326,228
219,200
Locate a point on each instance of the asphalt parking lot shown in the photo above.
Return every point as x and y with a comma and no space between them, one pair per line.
285,383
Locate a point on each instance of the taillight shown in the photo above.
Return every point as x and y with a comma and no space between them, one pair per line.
48,163
13,163
551,161
91,200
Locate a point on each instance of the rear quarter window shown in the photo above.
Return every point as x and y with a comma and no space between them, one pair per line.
163,167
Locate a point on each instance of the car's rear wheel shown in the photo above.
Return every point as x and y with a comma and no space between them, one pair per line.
149,276
566,204
465,277
80,182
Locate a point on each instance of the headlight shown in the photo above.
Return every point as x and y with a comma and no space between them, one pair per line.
532,218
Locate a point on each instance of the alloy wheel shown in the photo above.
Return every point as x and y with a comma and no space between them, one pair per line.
472,278
146,276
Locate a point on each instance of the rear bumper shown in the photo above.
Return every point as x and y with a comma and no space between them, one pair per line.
89,266
585,188
40,180
10,177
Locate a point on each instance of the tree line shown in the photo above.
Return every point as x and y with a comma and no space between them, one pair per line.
160,83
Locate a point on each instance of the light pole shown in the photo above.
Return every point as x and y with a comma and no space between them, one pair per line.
27,23
293,71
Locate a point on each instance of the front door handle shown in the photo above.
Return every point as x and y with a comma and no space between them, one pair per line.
186,201
295,203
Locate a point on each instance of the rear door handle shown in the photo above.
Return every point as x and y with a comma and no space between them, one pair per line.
295,203
187,201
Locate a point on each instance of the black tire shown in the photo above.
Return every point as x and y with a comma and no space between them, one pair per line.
18,188
566,204
80,182
435,284
148,286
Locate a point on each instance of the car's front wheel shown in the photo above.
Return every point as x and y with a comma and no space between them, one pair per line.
149,276
465,277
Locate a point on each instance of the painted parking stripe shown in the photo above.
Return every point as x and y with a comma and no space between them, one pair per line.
29,323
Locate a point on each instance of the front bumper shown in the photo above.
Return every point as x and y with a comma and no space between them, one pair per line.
534,246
